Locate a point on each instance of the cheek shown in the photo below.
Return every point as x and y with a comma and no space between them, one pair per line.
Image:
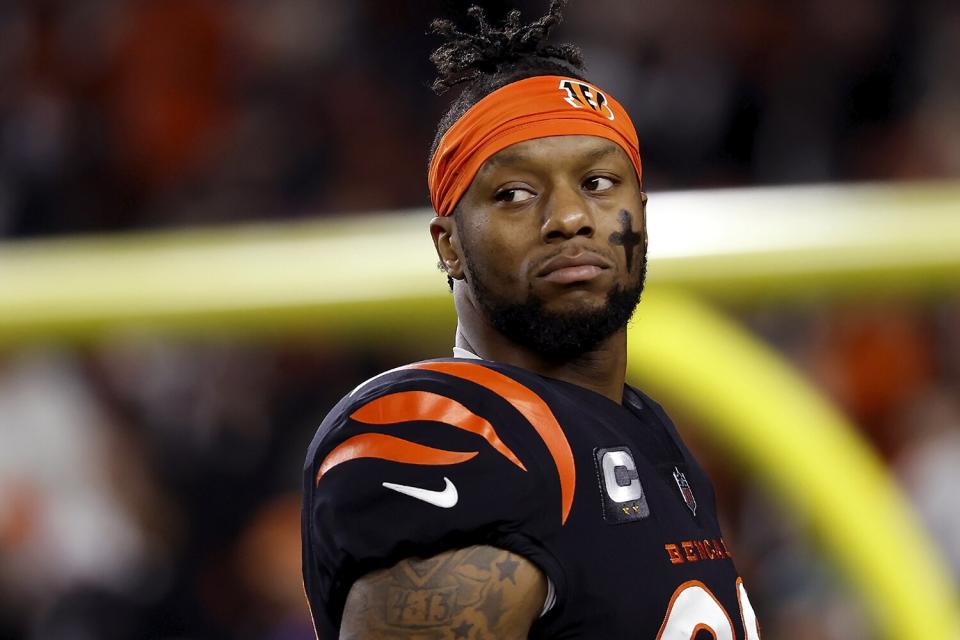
499,259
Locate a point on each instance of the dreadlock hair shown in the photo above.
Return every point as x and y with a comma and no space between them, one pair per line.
492,57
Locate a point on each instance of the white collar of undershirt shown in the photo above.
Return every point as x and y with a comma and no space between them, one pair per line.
460,352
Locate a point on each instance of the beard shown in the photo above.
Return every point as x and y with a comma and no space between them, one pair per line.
558,335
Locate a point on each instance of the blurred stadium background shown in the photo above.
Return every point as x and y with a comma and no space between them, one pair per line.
150,459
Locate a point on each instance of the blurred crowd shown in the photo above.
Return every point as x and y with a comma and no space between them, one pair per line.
149,488
118,114
893,367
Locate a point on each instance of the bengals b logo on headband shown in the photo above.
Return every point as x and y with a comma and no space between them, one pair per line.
580,95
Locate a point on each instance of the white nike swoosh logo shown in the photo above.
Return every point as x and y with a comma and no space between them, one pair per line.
446,498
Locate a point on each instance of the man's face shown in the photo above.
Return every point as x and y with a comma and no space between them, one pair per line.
553,237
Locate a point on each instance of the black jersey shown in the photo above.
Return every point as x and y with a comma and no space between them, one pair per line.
604,498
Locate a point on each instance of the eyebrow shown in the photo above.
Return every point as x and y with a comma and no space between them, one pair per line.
600,153
518,157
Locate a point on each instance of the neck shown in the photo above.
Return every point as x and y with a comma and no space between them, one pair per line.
602,369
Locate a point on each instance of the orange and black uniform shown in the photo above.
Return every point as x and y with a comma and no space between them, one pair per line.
604,498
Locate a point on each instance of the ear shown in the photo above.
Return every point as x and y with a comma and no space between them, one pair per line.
447,242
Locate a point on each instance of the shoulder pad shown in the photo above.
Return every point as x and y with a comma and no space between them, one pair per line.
440,392
475,397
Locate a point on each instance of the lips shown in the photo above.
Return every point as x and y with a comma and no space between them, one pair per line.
582,267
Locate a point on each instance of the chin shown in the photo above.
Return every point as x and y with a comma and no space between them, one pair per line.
574,308
576,299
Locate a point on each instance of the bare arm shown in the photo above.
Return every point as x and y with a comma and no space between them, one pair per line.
477,593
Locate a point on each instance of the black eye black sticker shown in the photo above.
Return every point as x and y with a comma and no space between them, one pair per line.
626,237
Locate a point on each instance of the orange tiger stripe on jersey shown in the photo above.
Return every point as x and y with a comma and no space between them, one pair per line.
408,406
532,407
378,445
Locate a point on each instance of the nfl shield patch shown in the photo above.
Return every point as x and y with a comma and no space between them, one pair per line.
685,490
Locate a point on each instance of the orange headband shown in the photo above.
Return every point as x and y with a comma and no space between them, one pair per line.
536,107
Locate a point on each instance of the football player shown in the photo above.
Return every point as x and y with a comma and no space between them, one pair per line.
520,488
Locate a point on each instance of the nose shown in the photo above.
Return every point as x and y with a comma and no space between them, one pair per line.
566,215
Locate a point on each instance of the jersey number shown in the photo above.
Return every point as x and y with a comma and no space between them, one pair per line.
694,608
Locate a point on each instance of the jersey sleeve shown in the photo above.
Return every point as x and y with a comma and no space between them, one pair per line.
412,464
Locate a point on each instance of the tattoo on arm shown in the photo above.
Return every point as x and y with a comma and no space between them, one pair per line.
477,593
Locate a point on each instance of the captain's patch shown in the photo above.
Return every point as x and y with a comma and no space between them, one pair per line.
620,489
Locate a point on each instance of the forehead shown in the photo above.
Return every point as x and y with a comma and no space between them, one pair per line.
553,150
